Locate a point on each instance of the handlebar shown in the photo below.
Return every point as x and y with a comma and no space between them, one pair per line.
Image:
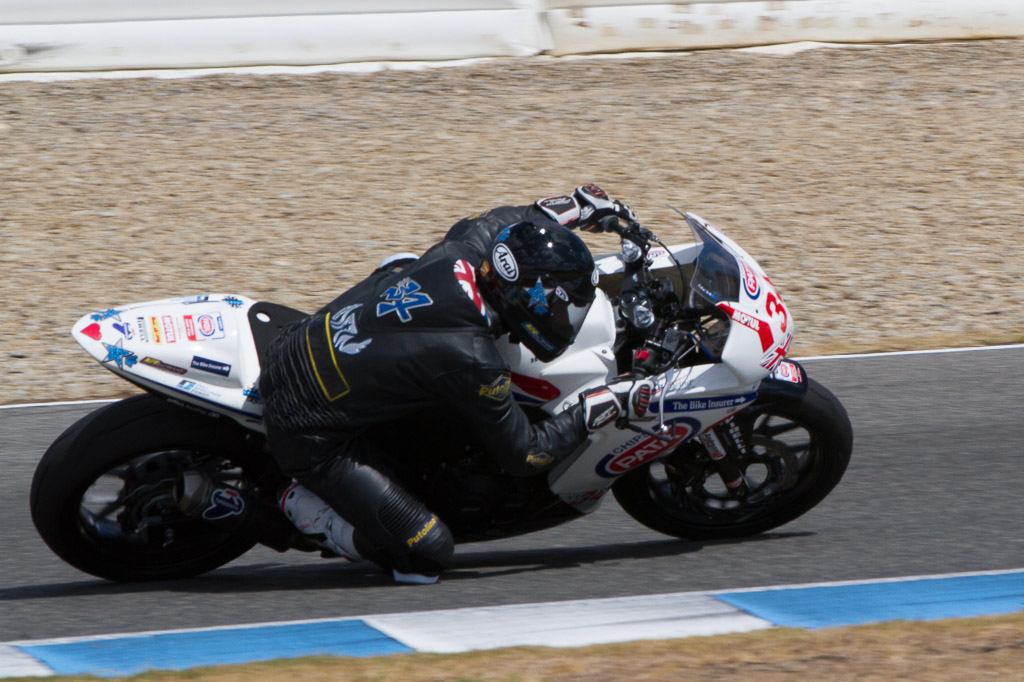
669,329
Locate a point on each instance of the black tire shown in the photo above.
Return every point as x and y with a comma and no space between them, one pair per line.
136,532
801,450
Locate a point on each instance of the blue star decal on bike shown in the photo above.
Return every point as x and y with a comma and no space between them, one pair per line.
117,353
538,300
402,298
106,315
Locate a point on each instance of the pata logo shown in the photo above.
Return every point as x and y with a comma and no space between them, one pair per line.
505,263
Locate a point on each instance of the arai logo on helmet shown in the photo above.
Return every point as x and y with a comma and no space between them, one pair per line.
505,263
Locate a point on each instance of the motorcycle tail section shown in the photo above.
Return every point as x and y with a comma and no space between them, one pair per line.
197,350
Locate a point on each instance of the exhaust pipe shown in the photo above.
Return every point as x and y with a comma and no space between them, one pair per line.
200,497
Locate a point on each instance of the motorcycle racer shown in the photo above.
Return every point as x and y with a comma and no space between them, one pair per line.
420,334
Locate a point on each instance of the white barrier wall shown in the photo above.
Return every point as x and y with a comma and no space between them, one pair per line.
580,26
83,35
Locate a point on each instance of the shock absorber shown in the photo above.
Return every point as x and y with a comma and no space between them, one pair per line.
724,450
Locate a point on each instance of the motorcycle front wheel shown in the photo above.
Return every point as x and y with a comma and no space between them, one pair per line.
102,495
798,452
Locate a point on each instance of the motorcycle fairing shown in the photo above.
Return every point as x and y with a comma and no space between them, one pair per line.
198,349
693,399
788,380
687,402
761,328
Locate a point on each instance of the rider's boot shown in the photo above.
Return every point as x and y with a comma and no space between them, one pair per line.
319,522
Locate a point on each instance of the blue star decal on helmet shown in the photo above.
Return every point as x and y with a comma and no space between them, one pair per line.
538,300
105,315
117,353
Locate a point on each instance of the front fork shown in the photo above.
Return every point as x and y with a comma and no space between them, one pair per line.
724,445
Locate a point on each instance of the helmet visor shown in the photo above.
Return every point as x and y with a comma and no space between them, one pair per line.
554,313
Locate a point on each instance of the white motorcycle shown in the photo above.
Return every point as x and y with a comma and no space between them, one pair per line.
742,441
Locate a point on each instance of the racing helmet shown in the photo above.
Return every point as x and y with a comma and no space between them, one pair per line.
541,281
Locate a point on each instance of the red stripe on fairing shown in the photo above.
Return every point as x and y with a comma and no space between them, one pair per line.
538,388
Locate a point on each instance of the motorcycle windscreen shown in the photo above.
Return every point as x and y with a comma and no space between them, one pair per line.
716,279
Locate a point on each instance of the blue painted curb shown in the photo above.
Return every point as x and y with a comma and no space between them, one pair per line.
129,655
922,599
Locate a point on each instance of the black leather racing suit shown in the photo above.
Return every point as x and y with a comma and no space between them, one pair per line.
403,341
478,231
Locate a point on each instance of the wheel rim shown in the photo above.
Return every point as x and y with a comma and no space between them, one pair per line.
129,513
779,466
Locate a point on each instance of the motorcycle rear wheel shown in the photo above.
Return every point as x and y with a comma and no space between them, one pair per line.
801,449
102,499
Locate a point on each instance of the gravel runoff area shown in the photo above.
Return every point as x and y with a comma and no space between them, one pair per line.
882,188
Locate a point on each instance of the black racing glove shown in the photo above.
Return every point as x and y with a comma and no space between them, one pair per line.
598,213
627,399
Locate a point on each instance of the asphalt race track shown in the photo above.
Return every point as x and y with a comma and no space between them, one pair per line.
934,487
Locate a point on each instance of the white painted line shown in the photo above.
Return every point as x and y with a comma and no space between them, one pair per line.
872,581
61,404
1014,346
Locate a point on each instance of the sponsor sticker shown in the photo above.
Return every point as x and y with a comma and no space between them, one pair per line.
539,459
140,326
211,366
126,329
580,499
535,334
763,329
562,209
642,449
209,326
165,366
224,502
154,326
505,263
423,531
197,389
787,371
190,327
750,282
168,327
709,403
497,389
